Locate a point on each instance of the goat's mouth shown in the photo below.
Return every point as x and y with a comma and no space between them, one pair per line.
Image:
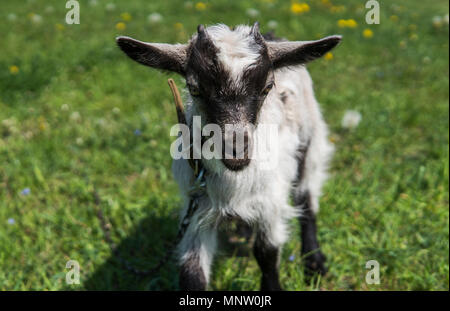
237,155
236,164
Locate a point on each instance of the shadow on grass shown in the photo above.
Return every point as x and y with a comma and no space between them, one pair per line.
142,249
146,246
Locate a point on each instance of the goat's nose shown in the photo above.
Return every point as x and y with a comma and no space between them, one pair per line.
240,145
236,164
236,153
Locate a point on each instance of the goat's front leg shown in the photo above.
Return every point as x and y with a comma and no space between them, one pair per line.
267,254
314,258
196,253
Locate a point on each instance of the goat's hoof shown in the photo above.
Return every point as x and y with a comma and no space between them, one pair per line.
271,288
315,264
270,284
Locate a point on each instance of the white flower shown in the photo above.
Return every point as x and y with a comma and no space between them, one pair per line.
10,125
437,21
65,107
116,110
49,9
36,18
75,116
9,122
155,18
110,7
12,17
445,19
28,135
79,141
351,119
101,122
252,12
93,2
272,24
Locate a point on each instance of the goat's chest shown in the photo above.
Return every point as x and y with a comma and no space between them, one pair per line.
255,189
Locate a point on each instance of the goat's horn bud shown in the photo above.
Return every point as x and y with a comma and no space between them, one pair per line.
255,29
201,30
256,34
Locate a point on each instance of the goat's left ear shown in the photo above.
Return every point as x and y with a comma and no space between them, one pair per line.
291,53
171,57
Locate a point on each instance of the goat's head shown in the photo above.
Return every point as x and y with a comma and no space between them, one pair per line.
228,72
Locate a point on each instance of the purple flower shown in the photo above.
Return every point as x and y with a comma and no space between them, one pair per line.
137,132
11,221
25,191
291,258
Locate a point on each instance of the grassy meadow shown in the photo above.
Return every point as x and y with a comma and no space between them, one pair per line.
77,115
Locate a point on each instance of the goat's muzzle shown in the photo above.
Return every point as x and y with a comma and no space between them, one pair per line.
237,147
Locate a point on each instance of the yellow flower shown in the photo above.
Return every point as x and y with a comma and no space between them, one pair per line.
367,33
14,69
413,37
178,26
394,18
305,7
329,56
126,16
299,8
59,27
42,123
121,26
342,23
200,6
402,44
42,126
350,23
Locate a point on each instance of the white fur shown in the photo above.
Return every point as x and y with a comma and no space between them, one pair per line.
235,51
255,194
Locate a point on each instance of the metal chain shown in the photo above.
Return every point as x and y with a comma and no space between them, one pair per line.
197,190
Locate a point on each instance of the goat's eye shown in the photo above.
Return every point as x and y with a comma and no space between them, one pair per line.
267,89
193,90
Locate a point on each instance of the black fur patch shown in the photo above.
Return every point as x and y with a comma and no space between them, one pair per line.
315,259
267,257
223,101
191,275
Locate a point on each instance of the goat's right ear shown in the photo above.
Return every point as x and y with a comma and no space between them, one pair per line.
171,57
291,53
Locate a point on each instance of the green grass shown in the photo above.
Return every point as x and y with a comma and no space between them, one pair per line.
76,101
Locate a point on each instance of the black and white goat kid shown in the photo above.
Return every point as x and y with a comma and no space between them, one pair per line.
238,76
